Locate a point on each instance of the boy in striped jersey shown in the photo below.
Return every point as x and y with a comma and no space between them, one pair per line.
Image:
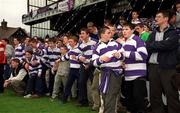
136,55
19,49
86,70
39,51
52,54
33,65
111,69
72,56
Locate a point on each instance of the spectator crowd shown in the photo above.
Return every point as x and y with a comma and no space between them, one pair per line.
131,67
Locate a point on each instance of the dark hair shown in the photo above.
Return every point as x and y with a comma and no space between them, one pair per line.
90,24
85,30
111,25
29,51
40,39
107,21
74,38
141,25
165,13
177,2
135,11
52,40
149,27
66,35
6,40
18,39
122,18
15,60
130,25
103,30
64,46
33,40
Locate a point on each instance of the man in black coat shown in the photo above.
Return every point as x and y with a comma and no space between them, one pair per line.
162,47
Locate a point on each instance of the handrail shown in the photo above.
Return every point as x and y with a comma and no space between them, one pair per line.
50,12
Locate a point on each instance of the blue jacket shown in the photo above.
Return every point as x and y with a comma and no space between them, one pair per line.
166,49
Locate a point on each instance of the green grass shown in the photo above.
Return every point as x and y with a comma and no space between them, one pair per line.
9,103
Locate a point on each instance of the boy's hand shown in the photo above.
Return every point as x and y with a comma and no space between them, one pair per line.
104,58
82,59
73,57
117,54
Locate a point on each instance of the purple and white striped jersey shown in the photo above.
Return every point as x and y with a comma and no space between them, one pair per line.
51,56
108,50
19,51
86,49
135,58
34,70
74,63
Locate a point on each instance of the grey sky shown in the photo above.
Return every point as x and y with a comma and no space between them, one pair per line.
12,11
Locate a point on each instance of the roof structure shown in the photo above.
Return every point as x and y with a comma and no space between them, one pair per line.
8,32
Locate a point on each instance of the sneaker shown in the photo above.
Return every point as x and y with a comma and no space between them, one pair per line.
47,94
54,96
28,96
35,96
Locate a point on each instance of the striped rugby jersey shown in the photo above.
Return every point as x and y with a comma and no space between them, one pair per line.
19,52
74,63
114,65
86,49
51,55
135,58
108,50
36,69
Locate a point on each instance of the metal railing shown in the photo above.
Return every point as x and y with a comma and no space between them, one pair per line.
28,18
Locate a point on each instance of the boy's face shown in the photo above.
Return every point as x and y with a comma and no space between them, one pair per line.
26,41
51,44
134,15
72,42
65,40
28,55
83,35
59,44
90,29
127,31
16,41
113,30
122,21
63,50
33,44
139,29
14,64
146,28
106,35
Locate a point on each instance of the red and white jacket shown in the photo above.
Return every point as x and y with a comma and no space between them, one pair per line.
2,53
